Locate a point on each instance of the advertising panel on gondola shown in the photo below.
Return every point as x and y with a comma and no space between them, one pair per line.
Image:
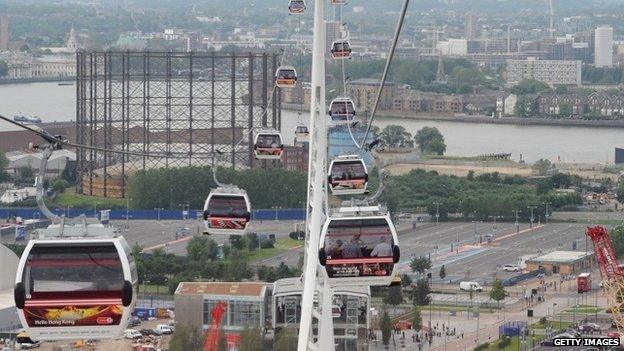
229,212
359,248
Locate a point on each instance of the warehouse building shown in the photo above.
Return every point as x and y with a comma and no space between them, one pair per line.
562,262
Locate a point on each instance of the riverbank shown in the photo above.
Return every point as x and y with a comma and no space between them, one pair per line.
37,80
488,120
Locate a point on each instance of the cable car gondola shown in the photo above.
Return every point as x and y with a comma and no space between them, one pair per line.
227,211
81,288
341,49
359,247
296,7
286,77
348,175
338,2
302,133
342,110
268,145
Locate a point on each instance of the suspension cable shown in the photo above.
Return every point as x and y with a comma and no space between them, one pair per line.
395,41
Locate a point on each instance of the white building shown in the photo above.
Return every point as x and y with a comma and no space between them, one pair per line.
453,47
603,46
54,66
553,72
56,164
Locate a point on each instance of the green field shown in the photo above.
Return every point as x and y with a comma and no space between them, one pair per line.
281,246
72,200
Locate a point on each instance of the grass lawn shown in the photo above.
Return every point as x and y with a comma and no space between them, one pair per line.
556,325
515,344
582,309
153,289
282,245
73,200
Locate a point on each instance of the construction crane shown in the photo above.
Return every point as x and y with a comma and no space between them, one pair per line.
612,274
213,335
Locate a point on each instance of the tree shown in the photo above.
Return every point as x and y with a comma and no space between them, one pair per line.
386,327
429,139
542,166
561,89
252,241
416,318
59,185
4,68
198,250
530,86
420,264
442,273
498,291
285,340
4,162
620,191
526,107
251,340
617,239
236,241
406,281
395,136
420,292
565,110
394,296
186,338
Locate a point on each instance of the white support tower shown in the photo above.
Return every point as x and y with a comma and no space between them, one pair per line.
315,286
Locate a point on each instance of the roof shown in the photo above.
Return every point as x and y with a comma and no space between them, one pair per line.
291,286
561,256
370,81
222,288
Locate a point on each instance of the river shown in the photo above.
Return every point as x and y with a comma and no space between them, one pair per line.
52,102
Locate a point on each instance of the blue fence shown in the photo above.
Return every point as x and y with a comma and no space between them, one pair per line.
260,215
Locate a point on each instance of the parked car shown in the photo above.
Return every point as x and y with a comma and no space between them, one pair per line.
30,345
157,331
164,329
146,332
511,268
589,327
132,334
547,342
565,335
613,334
134,321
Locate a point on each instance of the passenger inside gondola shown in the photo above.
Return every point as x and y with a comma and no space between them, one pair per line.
348,175
228,206
81,272
369,240
342,110
269,144
287,75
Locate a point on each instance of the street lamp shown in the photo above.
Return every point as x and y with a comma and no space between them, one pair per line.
547,214
158,209
437,205
532,218
517,223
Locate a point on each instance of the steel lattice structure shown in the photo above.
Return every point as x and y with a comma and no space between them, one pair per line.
191,106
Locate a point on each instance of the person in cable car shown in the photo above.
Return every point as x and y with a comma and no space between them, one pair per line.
382,249
352,249
269,145
341,50
286,77
297,7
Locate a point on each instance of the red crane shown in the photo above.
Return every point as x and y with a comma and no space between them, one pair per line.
211,343
612,274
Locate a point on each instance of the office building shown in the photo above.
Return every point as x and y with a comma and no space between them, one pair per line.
603,47
553,72
471,26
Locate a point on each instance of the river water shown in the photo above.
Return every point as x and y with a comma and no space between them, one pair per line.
52,102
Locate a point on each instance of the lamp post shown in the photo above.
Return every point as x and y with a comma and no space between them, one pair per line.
158,211
517,223
437,205
532,218
547,213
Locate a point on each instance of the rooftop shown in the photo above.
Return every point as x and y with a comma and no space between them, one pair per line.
289,286
221,288
562,256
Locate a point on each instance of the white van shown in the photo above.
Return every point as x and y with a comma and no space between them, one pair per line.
467,286
132,334
164,329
